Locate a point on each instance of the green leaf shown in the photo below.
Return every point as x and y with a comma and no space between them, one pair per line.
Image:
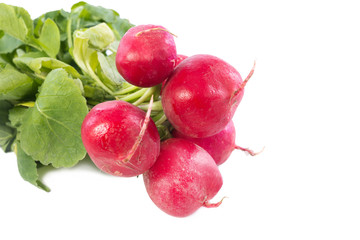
86,46
51,130
7,134
120,27
60,17
7,58
100,36
49,39
108,72
16,116
3,62
36,64
23,60
4,110
16,22
95,94
8,43
39,65
6,137
84,15
15,85
27,168
94,13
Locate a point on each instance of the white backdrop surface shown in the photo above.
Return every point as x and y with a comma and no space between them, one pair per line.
302,104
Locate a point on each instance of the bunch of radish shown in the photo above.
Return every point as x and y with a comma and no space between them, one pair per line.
199,96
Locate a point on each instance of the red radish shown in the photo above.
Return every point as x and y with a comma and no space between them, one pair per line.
146,55
179,59
220,145
120,138
202,94
183,179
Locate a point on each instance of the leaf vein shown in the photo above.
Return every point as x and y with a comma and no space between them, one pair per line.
58,122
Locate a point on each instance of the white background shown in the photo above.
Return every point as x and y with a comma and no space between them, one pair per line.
302,104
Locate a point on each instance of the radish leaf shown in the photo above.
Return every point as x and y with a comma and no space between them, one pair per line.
27,168
51,130
15,85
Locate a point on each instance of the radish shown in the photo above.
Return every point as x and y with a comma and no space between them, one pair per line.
220,145
179,59
120,138
183,179
146,55
202,94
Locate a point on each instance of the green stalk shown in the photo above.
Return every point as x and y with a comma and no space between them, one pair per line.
161,120
145,96
158,116
125,90
157,106
68,30
97,79
133,96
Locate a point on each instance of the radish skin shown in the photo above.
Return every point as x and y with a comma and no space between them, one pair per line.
120,138
146,55
183,179
179,59
220,145
202,95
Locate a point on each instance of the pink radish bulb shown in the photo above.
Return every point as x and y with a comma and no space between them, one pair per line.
179,59
120,138
220,145
183,179
202,95
146,55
